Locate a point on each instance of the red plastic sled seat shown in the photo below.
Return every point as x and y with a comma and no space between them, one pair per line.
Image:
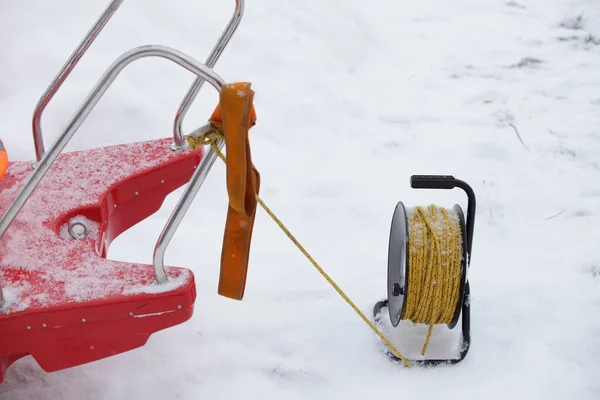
66,304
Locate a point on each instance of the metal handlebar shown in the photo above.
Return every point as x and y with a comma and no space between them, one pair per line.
38,140
179,141
179,212
114,5
210,62
78,118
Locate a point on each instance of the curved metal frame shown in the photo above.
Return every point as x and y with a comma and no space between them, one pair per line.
178,138
78,118
179,212
38,140
199,82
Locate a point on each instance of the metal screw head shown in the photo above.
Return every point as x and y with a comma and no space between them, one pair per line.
131,314
43,325
179,307
184,146
78,229
82,319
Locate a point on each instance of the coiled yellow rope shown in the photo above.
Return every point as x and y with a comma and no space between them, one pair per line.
435,255
435,260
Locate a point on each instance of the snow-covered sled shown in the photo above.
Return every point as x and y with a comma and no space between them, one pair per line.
61,300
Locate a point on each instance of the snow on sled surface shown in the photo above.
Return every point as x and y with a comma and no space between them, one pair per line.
352,97
66,304
109,188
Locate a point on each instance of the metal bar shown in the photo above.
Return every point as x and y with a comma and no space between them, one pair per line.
88,104
87,41
38,140
179,212
199,82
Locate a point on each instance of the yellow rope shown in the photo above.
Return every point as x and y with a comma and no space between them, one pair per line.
435,257
439,245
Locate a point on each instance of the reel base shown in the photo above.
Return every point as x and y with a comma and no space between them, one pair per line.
465,334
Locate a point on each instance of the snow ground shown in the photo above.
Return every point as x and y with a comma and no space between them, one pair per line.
352,98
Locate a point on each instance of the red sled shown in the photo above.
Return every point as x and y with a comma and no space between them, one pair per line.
64,302
61,300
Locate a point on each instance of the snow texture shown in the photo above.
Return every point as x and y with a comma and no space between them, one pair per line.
352,98
58,268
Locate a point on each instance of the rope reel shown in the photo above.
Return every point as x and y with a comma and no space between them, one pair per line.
428,258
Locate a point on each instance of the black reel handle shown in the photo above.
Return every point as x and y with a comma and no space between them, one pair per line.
432,182
450,182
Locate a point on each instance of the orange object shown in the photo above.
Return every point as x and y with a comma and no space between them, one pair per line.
3,159
234,116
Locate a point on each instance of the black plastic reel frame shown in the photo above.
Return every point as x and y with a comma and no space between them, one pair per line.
399,268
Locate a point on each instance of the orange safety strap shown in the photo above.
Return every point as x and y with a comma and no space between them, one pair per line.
234,116
3,159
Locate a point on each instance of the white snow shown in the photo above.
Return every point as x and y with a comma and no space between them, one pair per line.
352,98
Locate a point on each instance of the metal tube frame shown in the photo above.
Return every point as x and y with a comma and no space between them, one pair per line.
81,114
199,82
179,141
38,140
178,138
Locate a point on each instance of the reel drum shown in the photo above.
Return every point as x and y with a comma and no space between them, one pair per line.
399,266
